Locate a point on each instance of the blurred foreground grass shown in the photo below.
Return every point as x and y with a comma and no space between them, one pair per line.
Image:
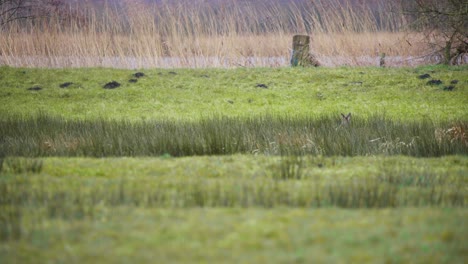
235,235
234,209
76,187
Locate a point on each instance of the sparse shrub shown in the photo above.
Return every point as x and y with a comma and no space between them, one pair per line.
396,146
456,134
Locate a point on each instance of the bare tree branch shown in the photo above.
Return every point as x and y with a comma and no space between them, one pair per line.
446,20
20,10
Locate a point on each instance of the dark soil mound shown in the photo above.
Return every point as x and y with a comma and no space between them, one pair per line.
449,88
424,76
133,80
454,82
434,82
65,85
138,75
111,85
35,88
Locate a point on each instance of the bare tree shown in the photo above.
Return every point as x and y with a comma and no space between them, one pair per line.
14,10
445,21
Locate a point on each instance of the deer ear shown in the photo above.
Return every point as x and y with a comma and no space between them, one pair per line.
343,115
349,115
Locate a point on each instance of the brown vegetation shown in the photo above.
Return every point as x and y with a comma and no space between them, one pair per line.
229,33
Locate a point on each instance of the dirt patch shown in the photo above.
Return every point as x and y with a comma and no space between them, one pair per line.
261,85
132,80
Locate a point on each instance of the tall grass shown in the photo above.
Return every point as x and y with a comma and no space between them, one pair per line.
135,34
44,135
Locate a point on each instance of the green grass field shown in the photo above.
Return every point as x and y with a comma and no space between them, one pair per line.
211,166
191,94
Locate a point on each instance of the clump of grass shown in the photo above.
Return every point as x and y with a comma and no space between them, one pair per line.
10,223
289,167
21,165
366,194
44,135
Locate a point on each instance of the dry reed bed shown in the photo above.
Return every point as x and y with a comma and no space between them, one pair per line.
135,35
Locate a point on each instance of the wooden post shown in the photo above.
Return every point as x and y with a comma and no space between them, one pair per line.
382,59
300,54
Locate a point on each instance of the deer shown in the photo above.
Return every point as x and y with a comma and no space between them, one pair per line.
345,121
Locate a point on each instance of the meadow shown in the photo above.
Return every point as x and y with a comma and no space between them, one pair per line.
175,132
233,165
194,94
